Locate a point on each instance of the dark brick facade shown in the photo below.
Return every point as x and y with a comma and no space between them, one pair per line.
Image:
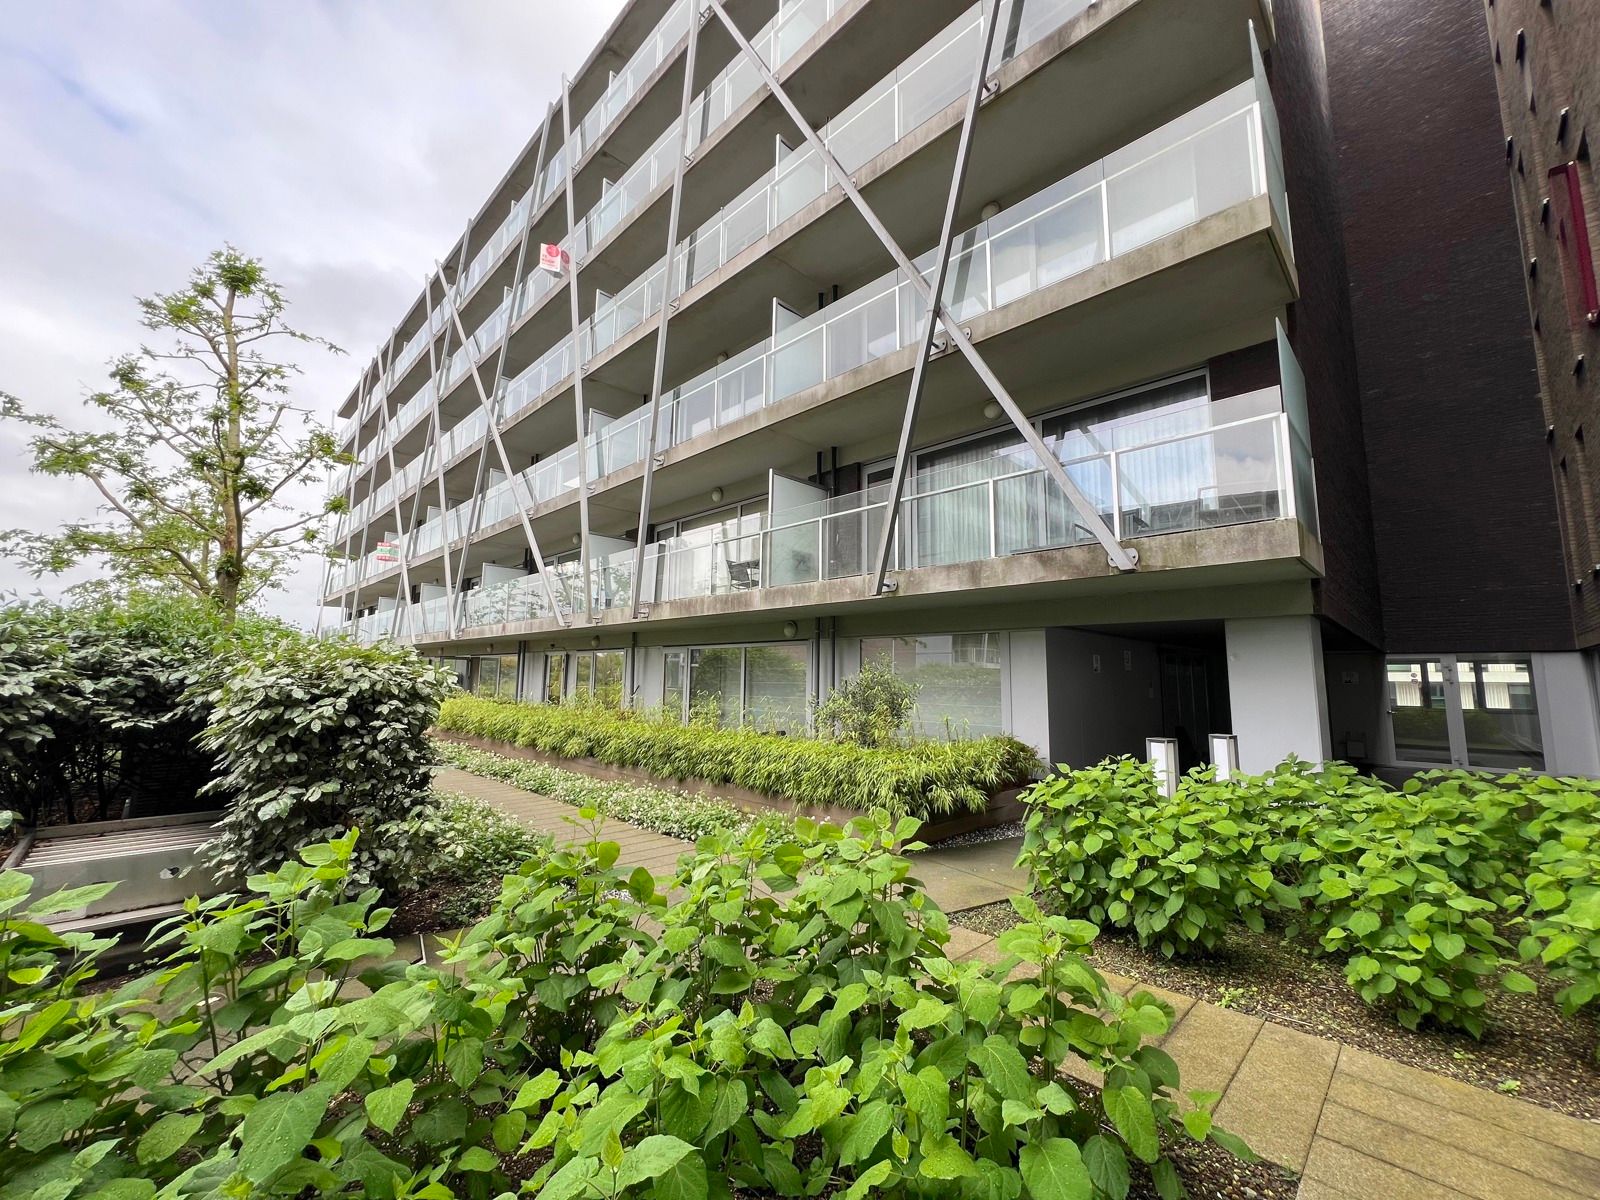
1320,325
1545,57
1466,528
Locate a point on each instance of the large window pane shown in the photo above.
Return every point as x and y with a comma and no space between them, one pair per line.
674,669
507,689
959,680
608,684
777,689
555,672
714,683
1417,708
1500,714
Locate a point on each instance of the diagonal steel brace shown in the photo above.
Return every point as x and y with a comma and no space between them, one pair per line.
1120,556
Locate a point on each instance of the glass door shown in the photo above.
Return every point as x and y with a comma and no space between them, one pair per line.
1478,712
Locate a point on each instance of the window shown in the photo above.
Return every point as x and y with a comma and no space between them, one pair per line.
1466,712
598,675
1571,230
959,677
496,677
555,678
764,687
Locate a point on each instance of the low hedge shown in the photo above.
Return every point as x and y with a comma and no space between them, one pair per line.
924,779
1414,887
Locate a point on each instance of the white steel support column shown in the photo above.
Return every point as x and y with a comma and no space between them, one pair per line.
402,530
437,371
958,178
578,359
668,302
514,478
475,518
1120,557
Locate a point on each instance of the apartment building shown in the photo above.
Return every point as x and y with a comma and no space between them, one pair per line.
671,425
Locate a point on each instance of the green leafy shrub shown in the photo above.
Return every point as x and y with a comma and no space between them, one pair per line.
657,809
1562,889
97,721
872,708
1417,941
473,847
922,779
1410,885
1105,844
316,738
788,1023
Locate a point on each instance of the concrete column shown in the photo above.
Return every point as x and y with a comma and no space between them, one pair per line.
1027,696
1276,690
1569,717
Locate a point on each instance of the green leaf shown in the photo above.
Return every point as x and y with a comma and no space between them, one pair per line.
1134,1118
1108,1166
864,1131
1516,981
167,1136
685,1180
1054,1170
943,1158
278,1128
387,1105
478,1160
1004,1068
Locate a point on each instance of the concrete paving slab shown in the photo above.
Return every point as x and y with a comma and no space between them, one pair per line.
1529,1155
1209,1044
954,889
1276,1096
1450,1166
1353,1173
1506,1112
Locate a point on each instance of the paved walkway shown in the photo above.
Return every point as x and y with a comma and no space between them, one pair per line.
1355,1126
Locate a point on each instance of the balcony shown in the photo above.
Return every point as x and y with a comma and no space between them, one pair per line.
1184,497
1204,164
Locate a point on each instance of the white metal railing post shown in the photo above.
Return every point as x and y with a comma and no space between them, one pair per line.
1286,487
994,522
1116,492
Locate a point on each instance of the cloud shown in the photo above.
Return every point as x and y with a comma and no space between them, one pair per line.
346,143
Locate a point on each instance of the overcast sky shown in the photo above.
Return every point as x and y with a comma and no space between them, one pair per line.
344,142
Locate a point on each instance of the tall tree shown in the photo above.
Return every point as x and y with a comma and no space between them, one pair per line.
204,454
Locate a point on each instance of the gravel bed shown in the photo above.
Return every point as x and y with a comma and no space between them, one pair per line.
979,837
1530,1050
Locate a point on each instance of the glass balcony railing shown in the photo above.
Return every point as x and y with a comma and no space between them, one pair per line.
626,83
1208,160
1235,471
1204,162
1229,474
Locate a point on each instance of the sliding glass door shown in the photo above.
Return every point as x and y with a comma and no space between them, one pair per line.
1478,712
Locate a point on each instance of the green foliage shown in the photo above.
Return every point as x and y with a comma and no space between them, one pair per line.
196,449
779,1016
473,848
873,708
315,738
657,809
1410,886
922,779
1562,889
1104,843
95,720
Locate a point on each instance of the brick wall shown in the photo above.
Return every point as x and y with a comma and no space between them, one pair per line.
1558,68
1320,325
1465,523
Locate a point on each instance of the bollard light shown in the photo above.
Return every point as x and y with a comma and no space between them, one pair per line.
1225,754
1162,754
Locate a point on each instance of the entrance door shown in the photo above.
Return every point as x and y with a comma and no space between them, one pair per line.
1451,710
1186,704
